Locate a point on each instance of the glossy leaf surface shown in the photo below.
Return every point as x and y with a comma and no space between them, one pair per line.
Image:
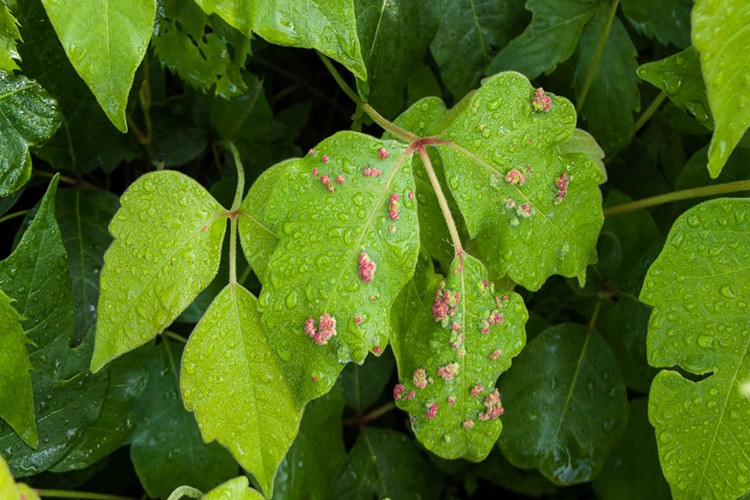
168,234
667,20
234,489
699,324
9,38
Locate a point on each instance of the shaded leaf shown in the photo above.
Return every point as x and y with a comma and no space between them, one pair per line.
9,36
231,379
721,34
167,246
567,405
497,470
105,41
363,385
667,20
699,324
236,489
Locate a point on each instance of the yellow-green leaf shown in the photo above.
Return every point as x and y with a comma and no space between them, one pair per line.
234,489
9,489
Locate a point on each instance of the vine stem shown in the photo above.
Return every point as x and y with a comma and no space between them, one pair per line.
595,315
646,116
80,494
597,54
234,212
391,127
187,491
174,336
442,201
685,194
361,420
13,215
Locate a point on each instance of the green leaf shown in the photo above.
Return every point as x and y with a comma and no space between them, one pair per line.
105,41
667,20
386,464
28,117
567,405
204,51
168,234
497,470
9,489
549,229
721,34
679,76
698,286
635,456
9,35
613,95
16,395
394,36
236,489
167,450
231,379
452,365
551,38
315,269
363,385
310,465
329,27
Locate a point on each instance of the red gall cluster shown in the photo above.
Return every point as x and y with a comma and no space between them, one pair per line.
432,409
522,210
448,371
451,400
377,351
541,101
327,182
366,267
495,355
494,317
324,331
358,320
468,424
494,407
420,378
457,341
372,172
393,206
398,393
561,183
410,195
477,390
340,179
444,305
382,153
515,176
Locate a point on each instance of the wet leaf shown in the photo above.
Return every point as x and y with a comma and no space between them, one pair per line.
9,37
533,208
167,450
451,358
566,405
28,118
346,249
234,489
667,20
105,41
699,324
167,246
721,34
232,380
329,27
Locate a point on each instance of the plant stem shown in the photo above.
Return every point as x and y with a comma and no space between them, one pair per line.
374,414
595,315
187,491
240,174
442,201
597,54
646,116
13,215
685,194
391,127
80,494
144,95
175,336
64,178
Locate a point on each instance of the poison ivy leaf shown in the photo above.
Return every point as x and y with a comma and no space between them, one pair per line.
204,51
699,323
694,173
386,464
533,209
310,465
667,20
394,36
497,470
679,76
450,359
167,246
231,379
9,489
613,95
167,450
567,405
363,385
422,83
28,117
67,397
551,38
635,456
105,41
346,249
721,34
417,295
329,27
9,36
236,489
16,396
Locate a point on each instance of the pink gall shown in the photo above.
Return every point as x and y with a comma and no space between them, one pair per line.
340,179
562,188
468,424
494,407
432,409
541,101
495,355
325,159
382,153
420,378
398,391
394,206
451,400
410,396
477,390
515,176
312,152
447,372
377,351
315,171
366,267
358,320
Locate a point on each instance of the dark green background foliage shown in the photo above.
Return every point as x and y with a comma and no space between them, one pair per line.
633,377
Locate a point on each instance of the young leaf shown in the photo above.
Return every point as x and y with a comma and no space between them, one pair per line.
10,490
310,465
329,27
28,117
567,425
167,450
236,489
679,76
105,41
232,381
346,249
16,396
550,39
469,36
699,323
168,234
667,20
721,34
533,209
450,359
9,35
